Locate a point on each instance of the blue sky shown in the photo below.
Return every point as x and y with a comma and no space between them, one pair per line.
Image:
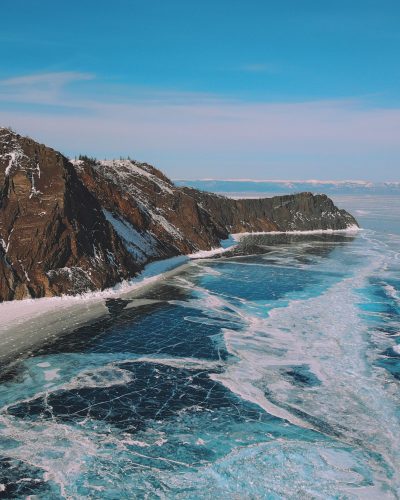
225,88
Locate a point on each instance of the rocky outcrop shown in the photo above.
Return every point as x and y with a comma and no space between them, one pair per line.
298,212
137,197
67,227
54,237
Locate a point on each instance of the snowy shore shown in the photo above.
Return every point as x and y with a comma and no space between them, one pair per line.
26,323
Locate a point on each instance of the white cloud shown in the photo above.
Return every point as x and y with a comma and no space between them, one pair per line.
41,88
179,129
58,79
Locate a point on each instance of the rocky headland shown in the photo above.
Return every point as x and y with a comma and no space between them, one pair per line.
67,227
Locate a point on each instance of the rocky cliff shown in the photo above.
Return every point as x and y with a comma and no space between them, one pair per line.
54,237
297,212
67,227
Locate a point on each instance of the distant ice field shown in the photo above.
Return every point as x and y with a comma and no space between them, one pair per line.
269,375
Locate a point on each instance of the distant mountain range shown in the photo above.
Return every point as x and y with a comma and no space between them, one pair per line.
291,186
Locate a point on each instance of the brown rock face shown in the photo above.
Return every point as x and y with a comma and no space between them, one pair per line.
67,227
298,212
54,237
140,196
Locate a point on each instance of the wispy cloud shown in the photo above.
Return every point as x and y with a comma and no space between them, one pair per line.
211,134
58,79
41,88
260,68
54,89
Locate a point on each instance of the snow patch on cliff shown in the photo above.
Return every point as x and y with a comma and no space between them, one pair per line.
14,155
140,245
124,168
167,226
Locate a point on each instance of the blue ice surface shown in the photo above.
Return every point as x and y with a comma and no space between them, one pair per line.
117,410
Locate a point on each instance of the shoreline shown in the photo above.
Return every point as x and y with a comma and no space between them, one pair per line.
54,316
349,229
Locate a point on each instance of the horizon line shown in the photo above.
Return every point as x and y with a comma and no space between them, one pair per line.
276,181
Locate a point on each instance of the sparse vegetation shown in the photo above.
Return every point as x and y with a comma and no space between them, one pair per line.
125,158
91,160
